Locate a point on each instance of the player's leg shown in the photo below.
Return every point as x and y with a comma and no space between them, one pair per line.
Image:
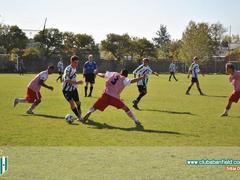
69,97
234,97
170,76
100,104
19,100
86,87
199,89
77,101
142,92
33,106
132,116
91,89
174,77
189,88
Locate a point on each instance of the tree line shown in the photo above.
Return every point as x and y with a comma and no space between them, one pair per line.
198,39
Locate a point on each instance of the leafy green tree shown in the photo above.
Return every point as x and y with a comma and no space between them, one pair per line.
51,41
12,37
117,45
140,48
162,41
197,41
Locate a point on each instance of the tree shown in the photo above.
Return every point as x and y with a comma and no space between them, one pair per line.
217,31
51,40
196,41
12,37
117,45
140,48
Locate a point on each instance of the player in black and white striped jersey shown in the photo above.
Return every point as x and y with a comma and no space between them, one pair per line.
69,86
142,70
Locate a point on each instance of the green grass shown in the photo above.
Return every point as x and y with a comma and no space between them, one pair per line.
170,118
177,128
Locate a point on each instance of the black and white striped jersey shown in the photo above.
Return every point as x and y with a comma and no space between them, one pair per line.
69,74
140,71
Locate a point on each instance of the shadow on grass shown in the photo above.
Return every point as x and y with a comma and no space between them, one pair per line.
45,115
169,112
216,96
107,126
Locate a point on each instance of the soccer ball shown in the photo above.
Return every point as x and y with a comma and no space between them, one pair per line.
69,118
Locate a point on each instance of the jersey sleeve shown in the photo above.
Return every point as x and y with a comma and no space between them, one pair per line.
126,82
150,71
108,74
136,71
67,74
43,76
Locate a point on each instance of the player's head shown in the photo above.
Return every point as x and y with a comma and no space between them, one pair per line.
74,61
229,68
145,61
195,59
50,69
124,72
90,57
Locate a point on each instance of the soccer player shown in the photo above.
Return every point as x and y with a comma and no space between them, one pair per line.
60,68
33,91
115,83
69,86
234,79
141,70
89,69
194,68
172,70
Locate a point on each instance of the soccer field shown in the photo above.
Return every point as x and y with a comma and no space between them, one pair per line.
170,118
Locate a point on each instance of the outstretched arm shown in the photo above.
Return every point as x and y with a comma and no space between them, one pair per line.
137,79
102,75
155,73
46,86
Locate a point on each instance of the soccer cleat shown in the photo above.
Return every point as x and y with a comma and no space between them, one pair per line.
139,125
187,93
224,114
135,105
29,112
202,94
15,103
89,95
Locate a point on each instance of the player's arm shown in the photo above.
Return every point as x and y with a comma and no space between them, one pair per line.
74,82
137,79
155,73
102,75
189,71
46,86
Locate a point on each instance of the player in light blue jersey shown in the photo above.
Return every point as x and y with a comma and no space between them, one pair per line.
194,69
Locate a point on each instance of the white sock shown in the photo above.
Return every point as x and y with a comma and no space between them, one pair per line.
21,100
91,110
132,116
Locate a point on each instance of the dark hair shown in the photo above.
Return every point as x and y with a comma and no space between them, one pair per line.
195,58
230,66
146,59
51,67
124,72
74,58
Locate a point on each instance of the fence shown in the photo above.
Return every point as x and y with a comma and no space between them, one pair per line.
162,66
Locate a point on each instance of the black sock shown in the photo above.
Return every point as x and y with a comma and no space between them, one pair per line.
188,89
85,88
76,112
91,88
140,97
79,108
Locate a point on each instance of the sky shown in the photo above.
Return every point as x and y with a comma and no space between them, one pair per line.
138,18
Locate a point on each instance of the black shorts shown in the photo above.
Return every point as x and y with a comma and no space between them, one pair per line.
90,78
142,89
69,95
194,80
